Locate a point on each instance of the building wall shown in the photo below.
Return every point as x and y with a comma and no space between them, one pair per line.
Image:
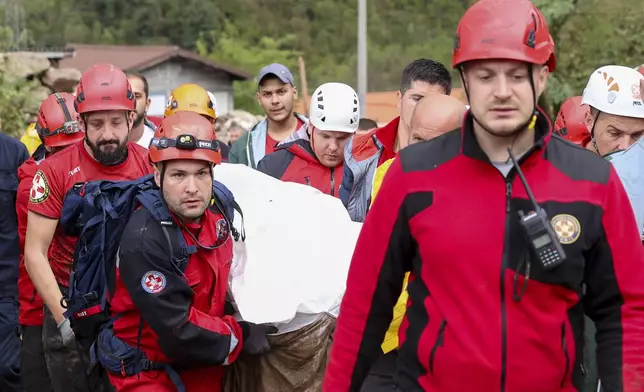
169,75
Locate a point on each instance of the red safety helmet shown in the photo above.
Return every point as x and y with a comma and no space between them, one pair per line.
104,87
504,29
57,123
185,135
570,123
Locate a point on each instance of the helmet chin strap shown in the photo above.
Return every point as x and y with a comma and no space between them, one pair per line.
592,134
526,126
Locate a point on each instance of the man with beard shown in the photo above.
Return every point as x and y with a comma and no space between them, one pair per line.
276,94
105,103
496,298
142,130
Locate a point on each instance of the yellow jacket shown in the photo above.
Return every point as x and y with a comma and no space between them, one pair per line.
391,338
30,138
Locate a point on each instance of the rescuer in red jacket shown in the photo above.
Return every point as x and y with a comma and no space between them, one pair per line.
57,127
487,311
105,104
318,158
178,319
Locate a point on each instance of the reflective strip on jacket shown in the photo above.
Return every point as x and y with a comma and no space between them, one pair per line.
391,338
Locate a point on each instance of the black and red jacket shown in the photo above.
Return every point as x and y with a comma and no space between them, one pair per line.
173,317
296,162
446,214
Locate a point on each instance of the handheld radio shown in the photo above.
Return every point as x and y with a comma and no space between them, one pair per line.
538,231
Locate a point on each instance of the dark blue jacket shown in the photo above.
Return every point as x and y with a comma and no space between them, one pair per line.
12,154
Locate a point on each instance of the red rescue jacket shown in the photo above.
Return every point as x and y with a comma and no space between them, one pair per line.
31,304
296,162
183,314
483,313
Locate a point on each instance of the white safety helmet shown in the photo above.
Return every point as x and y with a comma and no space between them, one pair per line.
335,107
213,100
614,89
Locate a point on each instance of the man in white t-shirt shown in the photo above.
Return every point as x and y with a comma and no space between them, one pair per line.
142,131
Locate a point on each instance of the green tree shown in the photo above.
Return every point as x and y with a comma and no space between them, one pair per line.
232,49
251,33
16,93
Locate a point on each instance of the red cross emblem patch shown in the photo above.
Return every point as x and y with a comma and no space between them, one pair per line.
153,282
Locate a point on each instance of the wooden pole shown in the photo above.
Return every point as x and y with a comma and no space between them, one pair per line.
304,86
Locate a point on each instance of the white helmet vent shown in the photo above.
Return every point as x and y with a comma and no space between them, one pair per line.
336,107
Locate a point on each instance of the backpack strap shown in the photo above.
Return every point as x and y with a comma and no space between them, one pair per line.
239,211
225,202
151,200
229,219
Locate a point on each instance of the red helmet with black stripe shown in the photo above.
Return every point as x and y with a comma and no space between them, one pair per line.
185,135
504,30
57,123
570,123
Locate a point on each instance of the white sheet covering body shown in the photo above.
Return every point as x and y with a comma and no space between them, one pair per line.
299,244
629,165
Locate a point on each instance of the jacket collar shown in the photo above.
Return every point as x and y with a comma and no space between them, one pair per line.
386,136
470,146
40,153
300,148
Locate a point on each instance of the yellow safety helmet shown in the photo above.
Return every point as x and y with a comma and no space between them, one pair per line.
190,98
30,138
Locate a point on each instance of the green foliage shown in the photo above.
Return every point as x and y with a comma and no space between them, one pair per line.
15,93
230,46
252,33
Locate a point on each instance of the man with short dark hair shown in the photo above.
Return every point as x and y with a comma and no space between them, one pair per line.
142,130
276,94
105,105
367,124
365,152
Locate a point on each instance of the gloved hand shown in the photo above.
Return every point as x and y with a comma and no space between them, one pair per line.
255,339
66,331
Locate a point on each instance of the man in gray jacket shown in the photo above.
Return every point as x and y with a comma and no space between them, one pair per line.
276,94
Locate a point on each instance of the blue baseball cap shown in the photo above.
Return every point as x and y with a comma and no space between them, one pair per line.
278,70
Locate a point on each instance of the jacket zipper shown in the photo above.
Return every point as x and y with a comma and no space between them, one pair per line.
332,182
440,340
504,263
564,346
249,159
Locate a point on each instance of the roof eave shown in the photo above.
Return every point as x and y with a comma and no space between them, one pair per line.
235,73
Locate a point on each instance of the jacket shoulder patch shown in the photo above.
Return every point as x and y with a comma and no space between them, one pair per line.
153,282
39,188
